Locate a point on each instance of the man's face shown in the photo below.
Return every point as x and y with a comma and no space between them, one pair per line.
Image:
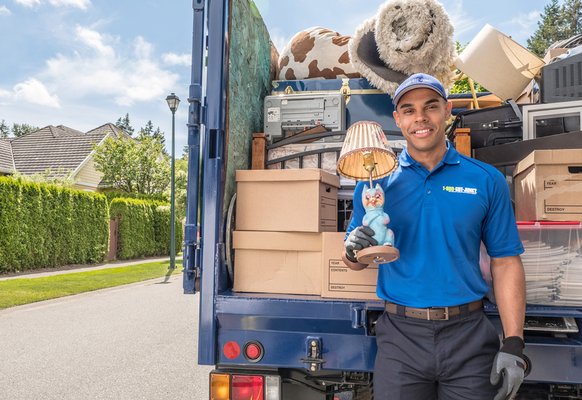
421,114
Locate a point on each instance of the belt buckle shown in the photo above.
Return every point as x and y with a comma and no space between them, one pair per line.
445,312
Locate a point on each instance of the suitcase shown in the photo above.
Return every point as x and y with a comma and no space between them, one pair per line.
491,126
363,101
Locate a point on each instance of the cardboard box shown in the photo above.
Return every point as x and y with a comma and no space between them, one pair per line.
548,186
339,281
277,262
286,200
553,53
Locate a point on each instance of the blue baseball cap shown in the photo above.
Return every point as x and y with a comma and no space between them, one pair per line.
417,81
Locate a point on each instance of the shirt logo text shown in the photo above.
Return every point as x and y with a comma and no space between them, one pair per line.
460,189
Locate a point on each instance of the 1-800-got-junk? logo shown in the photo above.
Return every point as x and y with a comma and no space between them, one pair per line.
460,189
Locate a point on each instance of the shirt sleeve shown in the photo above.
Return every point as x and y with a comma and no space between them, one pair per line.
500,234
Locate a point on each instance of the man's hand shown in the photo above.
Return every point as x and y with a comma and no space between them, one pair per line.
509,365
359,239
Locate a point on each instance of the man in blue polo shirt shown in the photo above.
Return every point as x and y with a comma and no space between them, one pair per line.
434,341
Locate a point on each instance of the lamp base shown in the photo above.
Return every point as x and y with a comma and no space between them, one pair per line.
378,255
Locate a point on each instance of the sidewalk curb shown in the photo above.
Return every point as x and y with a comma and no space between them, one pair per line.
97,292
33,275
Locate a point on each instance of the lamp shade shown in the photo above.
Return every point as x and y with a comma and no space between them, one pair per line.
365,139
498,63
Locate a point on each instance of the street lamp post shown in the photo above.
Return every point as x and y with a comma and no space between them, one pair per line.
173,102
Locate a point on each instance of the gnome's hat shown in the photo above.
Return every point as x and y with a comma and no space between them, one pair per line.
403,38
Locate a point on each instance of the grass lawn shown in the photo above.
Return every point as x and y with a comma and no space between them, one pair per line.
14,292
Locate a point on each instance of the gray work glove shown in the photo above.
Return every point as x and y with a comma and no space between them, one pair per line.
359,239
510,366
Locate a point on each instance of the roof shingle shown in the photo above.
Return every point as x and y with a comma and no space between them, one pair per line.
56,148
6,159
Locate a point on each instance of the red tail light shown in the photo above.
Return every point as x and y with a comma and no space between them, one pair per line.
253,351
246,387
231,350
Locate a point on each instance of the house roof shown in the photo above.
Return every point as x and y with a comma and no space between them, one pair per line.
58,148
6,159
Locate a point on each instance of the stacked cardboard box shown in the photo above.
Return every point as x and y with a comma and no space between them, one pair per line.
548,186
286,238
280,215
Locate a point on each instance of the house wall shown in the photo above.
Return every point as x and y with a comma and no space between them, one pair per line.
88,177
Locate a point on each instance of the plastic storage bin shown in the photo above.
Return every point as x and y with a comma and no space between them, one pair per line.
553,262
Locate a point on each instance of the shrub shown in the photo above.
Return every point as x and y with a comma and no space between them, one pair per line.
144,228
44,225
114,194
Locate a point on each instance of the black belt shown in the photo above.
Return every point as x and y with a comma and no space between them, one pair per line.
434,313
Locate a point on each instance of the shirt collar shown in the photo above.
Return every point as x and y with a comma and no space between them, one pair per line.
451,157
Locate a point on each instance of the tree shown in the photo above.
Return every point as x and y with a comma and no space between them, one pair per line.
123,123
158,134
148,130
571,17
134,166
557,23
19,130
181,186
4,130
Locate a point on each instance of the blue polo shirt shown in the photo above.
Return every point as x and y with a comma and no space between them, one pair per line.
439,219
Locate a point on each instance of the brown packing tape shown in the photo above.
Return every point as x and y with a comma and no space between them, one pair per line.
264,240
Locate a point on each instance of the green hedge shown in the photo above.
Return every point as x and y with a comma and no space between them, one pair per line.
144,228
114,194
44,225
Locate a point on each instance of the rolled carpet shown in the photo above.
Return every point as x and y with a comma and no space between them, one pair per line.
405,37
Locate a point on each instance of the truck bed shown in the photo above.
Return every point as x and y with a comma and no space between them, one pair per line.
286,324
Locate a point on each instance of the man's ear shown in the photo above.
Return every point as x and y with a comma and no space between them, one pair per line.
397,117
449,108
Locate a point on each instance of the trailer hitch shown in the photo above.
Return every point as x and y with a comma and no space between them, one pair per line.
313,359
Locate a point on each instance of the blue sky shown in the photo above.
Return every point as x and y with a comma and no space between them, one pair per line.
83,63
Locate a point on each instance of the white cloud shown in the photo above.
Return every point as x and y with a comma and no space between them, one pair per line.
5,94
94,40
82,4
142,48
280,42
4,10
523,25
101,68
34,91
462,21
28,3
176,59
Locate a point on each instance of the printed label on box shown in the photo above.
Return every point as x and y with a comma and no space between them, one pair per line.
343,279
273,114
562,209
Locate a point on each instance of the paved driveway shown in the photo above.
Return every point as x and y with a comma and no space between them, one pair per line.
137,341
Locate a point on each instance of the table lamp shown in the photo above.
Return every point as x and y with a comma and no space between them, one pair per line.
366,155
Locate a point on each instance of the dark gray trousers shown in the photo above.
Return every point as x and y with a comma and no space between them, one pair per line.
429,360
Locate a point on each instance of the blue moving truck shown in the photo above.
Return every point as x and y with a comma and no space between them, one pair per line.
279,346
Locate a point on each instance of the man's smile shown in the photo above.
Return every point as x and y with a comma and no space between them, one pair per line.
423,132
